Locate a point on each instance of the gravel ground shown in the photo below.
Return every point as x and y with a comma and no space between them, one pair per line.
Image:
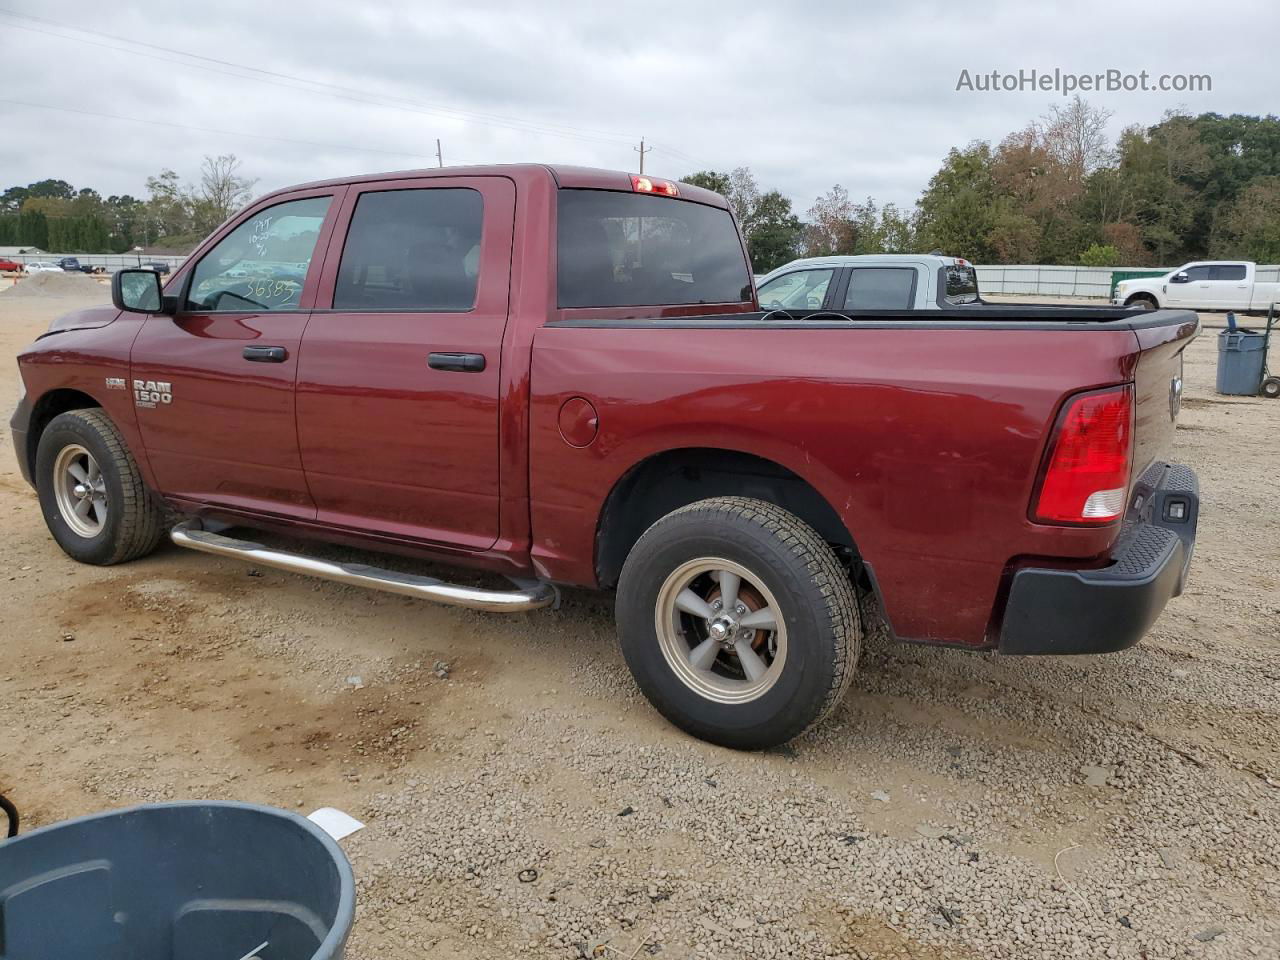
522,799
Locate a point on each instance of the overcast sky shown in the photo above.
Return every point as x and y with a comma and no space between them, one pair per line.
807,95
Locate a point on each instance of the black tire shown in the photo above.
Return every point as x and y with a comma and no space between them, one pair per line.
1271,388
819,612
1141,302
134,518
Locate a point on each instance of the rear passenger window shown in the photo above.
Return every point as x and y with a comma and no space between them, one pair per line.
261,264
410,250
1227,271
880,288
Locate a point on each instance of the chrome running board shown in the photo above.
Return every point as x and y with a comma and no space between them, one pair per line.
528,595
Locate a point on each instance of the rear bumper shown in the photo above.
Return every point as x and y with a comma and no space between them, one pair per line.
1053,611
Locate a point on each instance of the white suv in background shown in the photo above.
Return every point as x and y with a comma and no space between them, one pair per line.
888,281
42,266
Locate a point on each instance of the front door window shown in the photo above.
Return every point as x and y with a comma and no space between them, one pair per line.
262,264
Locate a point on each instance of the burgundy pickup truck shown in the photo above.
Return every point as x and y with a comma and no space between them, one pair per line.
561,375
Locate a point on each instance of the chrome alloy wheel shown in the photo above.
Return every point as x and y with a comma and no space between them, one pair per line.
80,490
721,630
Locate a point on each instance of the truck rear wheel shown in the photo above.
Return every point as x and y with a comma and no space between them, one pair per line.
738,622
91,493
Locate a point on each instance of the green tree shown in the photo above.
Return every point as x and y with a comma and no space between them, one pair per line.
1157,167
776,232
1100,255
1249,228
956,210
168,210
709,180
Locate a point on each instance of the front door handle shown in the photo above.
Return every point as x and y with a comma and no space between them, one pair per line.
266,354
462,362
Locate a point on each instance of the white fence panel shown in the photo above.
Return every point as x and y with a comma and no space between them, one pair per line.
1053,281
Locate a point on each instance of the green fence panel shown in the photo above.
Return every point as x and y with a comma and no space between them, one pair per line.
1118,275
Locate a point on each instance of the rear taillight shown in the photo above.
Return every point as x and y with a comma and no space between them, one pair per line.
1086,471
642,184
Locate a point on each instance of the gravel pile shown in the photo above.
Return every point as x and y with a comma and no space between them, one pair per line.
63,285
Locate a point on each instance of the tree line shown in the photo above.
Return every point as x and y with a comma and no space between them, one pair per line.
1057,191
55,216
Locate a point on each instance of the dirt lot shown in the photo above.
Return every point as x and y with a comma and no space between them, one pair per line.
958,806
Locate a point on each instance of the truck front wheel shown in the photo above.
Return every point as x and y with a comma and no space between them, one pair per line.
738,622
1142,301
91,493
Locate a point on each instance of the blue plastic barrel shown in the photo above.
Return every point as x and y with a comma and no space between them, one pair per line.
176,881
1240,360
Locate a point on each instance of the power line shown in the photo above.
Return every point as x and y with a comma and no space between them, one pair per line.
330,89
225,133
338,91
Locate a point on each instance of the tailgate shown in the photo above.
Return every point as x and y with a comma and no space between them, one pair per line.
1157,383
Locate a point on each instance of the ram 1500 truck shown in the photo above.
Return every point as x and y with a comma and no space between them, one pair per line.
1219,285
561,375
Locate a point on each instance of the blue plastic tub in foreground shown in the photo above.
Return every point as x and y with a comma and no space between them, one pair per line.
176,881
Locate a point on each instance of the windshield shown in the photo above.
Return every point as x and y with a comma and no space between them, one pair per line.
961,284
802,290
627,250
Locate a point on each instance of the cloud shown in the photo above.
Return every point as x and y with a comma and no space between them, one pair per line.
806,94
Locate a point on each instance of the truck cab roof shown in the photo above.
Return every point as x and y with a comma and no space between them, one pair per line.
868,260
563,176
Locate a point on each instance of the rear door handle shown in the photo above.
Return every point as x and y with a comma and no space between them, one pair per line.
462,362
266,354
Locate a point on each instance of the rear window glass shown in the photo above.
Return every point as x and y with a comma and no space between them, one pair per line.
961,284
628,250
1228,271
880,288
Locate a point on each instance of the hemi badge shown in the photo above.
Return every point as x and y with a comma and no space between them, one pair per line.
116,383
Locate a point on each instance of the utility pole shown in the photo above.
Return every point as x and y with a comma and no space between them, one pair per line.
642,150
439,155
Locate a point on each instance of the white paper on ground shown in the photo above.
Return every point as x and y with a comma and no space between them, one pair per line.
335,823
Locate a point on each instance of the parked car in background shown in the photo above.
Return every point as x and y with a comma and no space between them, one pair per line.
42,266
10,266
70,264
1202,285
561,375
159,266
871,282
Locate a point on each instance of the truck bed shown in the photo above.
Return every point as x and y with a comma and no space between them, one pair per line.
923,431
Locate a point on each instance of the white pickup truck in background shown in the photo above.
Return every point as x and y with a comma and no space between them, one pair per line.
888,281
1203,285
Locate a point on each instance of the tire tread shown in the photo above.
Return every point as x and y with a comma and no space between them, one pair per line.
142,515
812,554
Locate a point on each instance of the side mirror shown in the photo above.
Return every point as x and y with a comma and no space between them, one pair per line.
1179,277
137,291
